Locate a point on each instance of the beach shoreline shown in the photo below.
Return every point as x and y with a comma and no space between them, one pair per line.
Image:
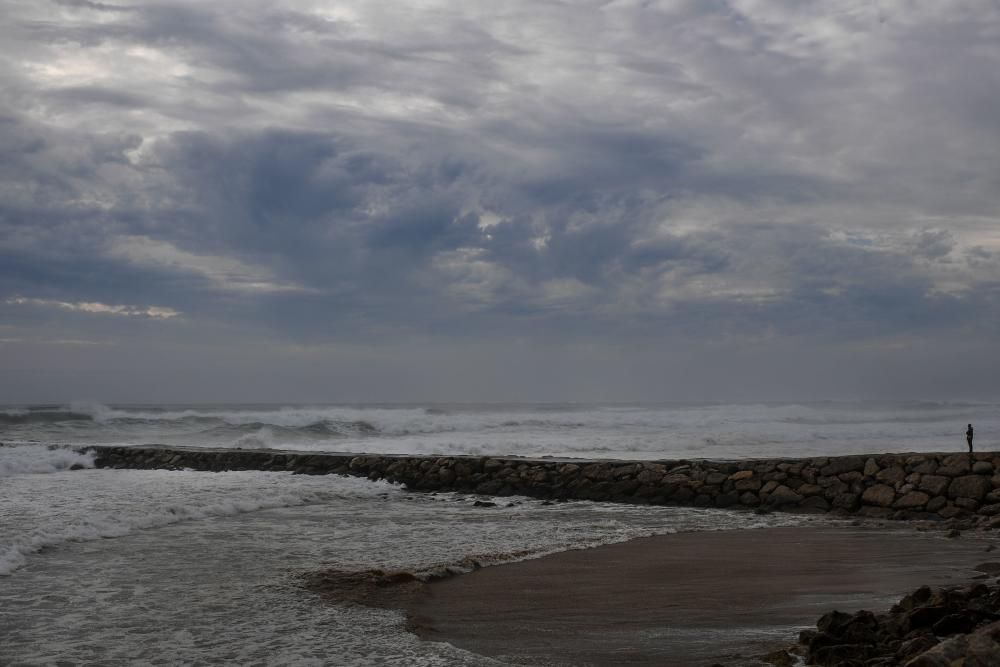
700,598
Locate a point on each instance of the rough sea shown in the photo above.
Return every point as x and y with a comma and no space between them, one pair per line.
123,567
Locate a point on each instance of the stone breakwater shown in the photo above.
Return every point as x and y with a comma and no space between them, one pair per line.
927,628
883,486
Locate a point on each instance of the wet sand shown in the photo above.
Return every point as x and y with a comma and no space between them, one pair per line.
688,599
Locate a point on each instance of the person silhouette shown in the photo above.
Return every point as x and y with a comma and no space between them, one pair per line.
968,437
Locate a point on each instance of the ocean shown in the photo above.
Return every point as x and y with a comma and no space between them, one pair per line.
122,567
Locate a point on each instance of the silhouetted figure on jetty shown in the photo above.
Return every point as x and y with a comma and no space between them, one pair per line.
968,438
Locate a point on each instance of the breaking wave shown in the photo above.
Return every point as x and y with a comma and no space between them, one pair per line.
221,422
22,416
630,431
41,459
86,526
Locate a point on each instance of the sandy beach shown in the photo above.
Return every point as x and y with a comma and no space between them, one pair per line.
685,599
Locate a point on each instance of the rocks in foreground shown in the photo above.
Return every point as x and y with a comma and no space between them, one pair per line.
957,627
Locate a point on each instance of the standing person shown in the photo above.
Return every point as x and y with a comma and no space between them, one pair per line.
968,437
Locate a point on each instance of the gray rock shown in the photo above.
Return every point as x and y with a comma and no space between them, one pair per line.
815,503
871,468
925,467
911,500
847,501
916,646
879,495
727,499
748,484
489,487
783,495
955,465
982,651
943,655
950,512
649,477
769,487
490,465
891,475
621,472
715,478
828,482
676,478
703,500
982,468
936,503
969,486
967,504
852,476
934,484
843,464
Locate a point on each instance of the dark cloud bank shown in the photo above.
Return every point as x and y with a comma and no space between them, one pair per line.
531,201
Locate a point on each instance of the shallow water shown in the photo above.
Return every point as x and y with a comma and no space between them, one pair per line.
175,567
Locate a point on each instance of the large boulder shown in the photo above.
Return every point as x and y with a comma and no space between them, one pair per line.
727,499
934,484
982,468
843,464
922,465
936,503
955,465
981,648
969,486
946,654
649,476
676,478
715,478
911,500
891,475
847,501
817,503
748,484
879,495
783,495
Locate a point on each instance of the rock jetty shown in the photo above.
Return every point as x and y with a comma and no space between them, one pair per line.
927,628
884,486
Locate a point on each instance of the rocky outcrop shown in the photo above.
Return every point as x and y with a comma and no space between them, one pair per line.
927,628
889,486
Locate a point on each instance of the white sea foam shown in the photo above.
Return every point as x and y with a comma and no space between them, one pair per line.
590,431
40,459
96,504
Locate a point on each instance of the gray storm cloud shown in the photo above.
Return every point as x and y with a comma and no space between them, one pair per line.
537,200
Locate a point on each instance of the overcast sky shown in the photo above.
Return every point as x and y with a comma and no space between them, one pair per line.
299,200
